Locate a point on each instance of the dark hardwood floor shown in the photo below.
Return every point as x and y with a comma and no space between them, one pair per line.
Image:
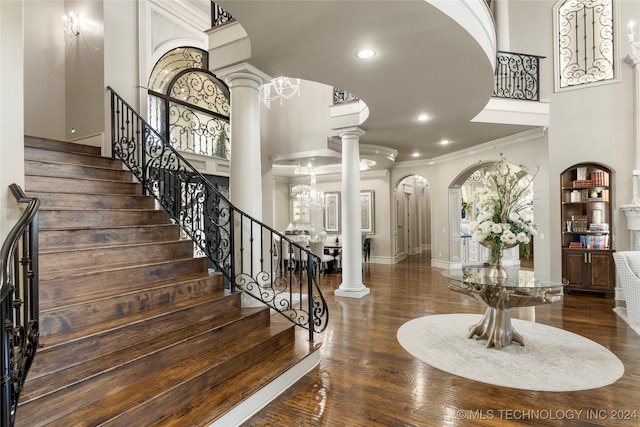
365,378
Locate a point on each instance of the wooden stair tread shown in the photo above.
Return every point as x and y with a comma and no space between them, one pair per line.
102,402
54,380
56,145
214,403
52,341
85,237
125,289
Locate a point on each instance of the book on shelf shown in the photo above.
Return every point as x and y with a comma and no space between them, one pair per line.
583,183
600,179
604,227
600,241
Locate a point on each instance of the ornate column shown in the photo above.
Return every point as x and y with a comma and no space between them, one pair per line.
632,210
351,286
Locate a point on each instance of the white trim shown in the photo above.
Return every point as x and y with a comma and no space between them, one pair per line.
250,406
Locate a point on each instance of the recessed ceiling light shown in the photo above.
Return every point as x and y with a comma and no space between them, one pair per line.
416,154
366,54
444,142
423,117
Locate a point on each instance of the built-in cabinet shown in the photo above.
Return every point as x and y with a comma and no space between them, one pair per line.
587,261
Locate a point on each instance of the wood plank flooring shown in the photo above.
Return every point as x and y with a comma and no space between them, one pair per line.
365,378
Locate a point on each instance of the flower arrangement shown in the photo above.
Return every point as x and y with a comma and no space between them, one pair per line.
504,217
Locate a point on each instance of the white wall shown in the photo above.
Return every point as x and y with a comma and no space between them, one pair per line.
11,111
44,72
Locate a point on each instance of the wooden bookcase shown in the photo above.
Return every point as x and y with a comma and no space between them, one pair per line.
587,260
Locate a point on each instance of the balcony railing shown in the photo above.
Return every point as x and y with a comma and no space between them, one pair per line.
517,76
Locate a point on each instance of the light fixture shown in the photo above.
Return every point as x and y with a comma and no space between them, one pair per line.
308,195
279,88
444,142
632,34
366,54
423,117
71,24
415,154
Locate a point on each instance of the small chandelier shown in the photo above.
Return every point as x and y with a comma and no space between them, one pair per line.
71,24
278,89
308,196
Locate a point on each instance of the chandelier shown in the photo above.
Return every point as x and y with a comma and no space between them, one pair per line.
278,89
308,196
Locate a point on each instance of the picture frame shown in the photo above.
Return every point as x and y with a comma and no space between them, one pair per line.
299,213
332,212
367,211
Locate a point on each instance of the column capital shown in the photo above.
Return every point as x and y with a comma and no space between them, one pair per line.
243,71
350,132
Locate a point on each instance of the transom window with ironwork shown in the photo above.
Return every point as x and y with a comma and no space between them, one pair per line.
585,43
188,105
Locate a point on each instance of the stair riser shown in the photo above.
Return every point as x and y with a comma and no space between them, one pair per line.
65,402
58,320
96,259
63,219
75,238
71,185
67,287
82,350
160,406
77,172
90,201
37,154
67,147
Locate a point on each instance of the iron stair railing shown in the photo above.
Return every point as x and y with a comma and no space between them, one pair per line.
253,257
19,304
517,76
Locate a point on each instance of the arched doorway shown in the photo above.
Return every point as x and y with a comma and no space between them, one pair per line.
412,234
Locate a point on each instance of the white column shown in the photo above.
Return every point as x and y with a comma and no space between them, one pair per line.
351,286
502,24
245,180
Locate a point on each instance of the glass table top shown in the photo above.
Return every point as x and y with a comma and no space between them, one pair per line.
517,278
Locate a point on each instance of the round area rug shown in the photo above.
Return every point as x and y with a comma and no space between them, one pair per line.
552,359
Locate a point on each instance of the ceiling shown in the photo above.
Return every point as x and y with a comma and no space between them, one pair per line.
425,62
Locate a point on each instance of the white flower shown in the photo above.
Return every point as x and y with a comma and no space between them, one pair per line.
496,228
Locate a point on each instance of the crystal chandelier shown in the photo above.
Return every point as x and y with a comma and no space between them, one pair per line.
308,195
278,89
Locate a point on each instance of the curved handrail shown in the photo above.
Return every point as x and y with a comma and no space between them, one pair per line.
250,254
19,328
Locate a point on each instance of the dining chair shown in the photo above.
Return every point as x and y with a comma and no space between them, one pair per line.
317,248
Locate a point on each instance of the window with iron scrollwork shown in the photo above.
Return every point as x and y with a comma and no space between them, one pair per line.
188,105
584,42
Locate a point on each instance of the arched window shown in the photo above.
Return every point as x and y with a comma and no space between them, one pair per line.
188,105
584,42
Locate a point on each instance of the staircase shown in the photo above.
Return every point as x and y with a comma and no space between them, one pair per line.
134,330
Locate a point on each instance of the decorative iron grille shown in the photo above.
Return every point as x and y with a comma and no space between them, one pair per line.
253,258
517,76
341,96
585,42
219,16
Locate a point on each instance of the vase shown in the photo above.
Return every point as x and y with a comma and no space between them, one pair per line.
497,271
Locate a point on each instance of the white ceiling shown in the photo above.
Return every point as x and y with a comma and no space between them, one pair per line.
425,63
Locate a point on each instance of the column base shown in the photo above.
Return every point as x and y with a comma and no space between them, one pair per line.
357,293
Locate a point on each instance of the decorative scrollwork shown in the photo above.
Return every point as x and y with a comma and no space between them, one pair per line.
585,41
517,76
340,96
243,249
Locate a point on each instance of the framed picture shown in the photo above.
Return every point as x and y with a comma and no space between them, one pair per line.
332,212
367,211
299,213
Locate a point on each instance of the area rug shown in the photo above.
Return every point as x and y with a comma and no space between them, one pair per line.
551,360
622,313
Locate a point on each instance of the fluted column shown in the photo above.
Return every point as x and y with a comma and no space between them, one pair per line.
351,286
